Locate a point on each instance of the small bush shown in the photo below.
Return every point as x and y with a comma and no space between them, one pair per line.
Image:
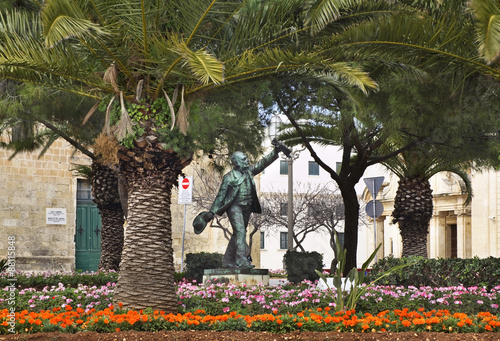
302,265
440,272
71,279
197,262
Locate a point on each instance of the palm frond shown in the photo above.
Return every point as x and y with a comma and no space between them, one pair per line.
63,19
487,14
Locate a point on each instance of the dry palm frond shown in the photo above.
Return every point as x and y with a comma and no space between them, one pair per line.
124,126
108,113
138,91
111,76
107,148
183,115
172,111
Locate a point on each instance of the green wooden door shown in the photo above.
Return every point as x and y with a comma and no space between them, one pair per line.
87,236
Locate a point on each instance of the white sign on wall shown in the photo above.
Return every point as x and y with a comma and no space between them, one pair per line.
186,190
55,216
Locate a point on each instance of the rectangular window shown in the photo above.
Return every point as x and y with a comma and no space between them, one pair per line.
284,209
83,190
262,245
283,240
313,168
341,238
283,167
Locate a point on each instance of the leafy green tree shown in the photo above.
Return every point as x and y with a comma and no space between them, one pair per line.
321,115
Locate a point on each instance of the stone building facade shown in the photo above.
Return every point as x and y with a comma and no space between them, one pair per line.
33,189
456,230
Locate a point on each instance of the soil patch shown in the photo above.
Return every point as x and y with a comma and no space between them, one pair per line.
250,336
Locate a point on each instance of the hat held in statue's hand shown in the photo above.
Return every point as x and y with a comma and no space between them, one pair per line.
201,221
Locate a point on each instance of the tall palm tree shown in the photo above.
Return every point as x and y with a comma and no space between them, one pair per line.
458,124
145,62
413,204
45,116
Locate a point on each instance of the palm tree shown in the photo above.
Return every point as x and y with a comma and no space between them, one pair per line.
145,62
44,116
413,207
458,126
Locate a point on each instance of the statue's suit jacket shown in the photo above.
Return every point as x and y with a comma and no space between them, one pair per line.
231,185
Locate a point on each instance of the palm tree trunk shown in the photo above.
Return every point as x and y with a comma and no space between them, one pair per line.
146,276
111,236
107,198
413,212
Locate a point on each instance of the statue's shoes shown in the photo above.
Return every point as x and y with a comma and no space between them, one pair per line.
246,266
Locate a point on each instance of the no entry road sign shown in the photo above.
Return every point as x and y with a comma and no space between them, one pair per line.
186,190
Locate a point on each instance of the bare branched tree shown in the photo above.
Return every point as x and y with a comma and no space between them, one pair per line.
316,208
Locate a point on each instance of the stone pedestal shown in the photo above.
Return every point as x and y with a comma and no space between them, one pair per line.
237,276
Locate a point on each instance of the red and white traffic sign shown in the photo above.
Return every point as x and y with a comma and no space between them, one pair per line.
186,190
185,183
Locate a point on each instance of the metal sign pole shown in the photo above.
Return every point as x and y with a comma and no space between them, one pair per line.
183,235
374,222
185,197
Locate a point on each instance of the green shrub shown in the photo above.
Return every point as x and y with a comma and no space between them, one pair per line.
71,279
303,265
197,262
440,272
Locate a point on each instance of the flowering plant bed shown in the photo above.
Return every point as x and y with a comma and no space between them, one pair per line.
293,310
109,320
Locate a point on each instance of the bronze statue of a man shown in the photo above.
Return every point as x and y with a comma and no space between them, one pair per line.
238,197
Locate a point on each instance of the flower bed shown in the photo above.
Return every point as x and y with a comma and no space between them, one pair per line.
108,320
258,308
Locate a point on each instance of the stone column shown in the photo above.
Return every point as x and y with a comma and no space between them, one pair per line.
464,233
437,236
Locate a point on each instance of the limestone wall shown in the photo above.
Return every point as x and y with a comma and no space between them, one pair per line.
28,186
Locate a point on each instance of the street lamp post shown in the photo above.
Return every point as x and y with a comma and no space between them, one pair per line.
293,156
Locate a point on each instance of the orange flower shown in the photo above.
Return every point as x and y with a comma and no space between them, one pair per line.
365,326
406,323
278,321
120,305
299,324
68,308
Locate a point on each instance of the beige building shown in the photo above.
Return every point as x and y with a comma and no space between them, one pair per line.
455,230
47,208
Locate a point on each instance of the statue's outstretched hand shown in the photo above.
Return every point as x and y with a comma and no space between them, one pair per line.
279,146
